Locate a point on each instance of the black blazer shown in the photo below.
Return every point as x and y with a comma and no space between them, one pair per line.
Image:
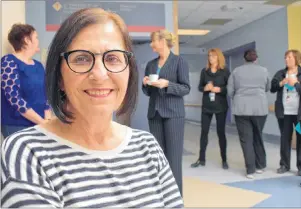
169,102
275,87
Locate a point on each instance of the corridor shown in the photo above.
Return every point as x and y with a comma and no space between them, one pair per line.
211,186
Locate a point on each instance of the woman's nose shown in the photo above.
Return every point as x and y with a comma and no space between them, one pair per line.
99,69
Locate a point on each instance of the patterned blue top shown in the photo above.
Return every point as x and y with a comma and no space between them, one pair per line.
22,88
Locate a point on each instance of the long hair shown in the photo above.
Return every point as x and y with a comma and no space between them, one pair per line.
220,59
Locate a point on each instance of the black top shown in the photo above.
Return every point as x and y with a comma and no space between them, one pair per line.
168,102
219,79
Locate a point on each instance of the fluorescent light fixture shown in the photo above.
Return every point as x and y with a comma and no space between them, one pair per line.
187,32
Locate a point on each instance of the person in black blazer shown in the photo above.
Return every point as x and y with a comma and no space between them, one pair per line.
213,84
288,108
166,111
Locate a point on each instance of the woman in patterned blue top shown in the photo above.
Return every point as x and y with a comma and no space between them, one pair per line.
23,99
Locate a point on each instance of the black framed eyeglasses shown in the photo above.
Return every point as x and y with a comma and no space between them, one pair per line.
83,61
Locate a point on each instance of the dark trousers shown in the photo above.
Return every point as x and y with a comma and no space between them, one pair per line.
250,134
286,126
220,128
169,132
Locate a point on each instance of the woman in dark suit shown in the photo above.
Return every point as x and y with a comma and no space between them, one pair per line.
286,83
166,112
213,84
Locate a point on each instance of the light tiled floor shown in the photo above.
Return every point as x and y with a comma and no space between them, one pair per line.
213,173
199,193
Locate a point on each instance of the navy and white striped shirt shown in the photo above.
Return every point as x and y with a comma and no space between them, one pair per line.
42,169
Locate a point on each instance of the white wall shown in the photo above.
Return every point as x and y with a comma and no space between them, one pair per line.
11,12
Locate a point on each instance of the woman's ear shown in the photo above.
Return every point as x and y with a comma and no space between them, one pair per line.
27,40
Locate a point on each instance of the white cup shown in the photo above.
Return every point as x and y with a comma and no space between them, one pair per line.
153,77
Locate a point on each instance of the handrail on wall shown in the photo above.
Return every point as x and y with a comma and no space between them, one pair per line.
271,107
193,105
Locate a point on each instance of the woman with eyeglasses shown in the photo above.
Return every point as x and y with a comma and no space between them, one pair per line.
166,82
83,159
286,83
23,99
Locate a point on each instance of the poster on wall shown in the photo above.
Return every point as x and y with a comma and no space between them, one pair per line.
139,16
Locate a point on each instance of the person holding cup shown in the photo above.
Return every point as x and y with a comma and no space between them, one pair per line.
213,84
166,82
286,83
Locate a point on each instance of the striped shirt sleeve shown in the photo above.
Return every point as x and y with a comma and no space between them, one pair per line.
23,182
171,194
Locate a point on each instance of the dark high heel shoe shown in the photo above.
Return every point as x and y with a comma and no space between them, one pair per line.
197,163
282,170
225,165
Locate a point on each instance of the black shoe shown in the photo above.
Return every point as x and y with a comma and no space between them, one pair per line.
225,165
282,170
299,173
197,163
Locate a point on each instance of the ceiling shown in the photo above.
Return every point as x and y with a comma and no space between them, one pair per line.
221,17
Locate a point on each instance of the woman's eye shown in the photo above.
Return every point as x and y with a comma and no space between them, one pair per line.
82,59
112,59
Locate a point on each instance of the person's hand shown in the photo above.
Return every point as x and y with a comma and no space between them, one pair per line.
283,82
161,83
209,86
292,81
145,80
216,89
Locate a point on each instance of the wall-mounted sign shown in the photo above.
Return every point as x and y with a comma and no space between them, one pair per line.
139,17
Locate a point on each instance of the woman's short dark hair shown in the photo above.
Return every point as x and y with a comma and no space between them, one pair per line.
18,33
250,55
63,38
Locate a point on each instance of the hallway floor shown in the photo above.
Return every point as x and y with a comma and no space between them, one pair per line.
211,186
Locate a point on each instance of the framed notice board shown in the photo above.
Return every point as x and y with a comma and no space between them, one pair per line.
139,16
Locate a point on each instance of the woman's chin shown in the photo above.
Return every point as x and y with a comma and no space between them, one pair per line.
98,110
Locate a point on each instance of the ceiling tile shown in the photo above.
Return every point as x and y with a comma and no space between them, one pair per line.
199,17
213,5
225,16
186,7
